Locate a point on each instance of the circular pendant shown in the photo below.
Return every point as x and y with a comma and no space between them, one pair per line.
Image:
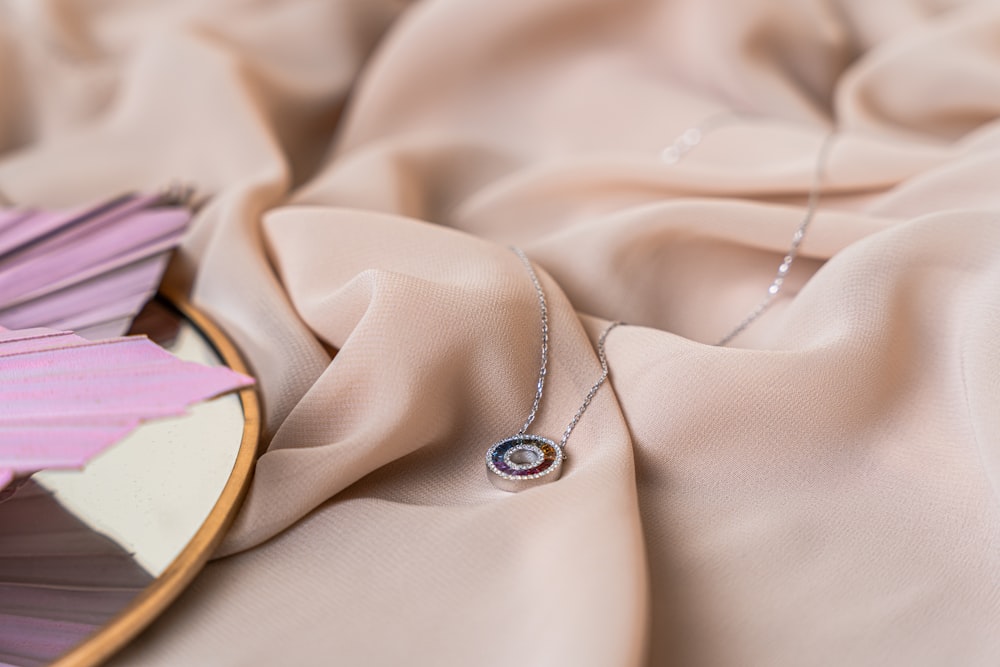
523,461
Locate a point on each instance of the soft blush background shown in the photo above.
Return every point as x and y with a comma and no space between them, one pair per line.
822,492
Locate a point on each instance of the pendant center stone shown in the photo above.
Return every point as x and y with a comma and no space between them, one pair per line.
524,457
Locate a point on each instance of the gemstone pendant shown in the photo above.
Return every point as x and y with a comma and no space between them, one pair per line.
523,461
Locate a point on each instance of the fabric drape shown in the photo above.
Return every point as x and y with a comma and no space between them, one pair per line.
822,491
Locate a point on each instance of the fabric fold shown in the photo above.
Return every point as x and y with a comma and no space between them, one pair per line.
823,491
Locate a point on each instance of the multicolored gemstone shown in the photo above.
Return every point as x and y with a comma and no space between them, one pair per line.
523,461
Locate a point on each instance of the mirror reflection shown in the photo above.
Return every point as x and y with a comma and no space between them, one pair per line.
77,547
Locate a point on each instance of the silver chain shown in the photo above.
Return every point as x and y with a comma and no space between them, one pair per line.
543,369
682,145
686,142
793,250
545,339
594,388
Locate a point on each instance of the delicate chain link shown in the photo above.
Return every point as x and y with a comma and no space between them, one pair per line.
793,251
543,369
545,339
593,389
691,137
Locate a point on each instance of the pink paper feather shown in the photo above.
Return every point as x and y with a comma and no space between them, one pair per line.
89,270
64,399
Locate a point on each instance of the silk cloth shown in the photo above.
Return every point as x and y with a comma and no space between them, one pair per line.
822,491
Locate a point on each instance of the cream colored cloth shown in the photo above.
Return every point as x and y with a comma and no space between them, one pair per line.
823,491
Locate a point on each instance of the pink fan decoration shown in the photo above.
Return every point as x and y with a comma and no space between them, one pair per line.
88,270
64,399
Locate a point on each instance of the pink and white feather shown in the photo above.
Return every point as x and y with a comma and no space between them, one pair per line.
64,399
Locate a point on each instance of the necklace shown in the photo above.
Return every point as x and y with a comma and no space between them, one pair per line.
524,460
687,140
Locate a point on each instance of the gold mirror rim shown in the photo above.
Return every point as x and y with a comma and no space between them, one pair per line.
156,597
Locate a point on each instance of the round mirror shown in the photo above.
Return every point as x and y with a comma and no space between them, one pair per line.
88,558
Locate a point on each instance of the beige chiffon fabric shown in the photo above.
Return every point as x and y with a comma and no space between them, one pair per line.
822,491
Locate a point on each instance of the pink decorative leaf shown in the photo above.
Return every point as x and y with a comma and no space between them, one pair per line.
64,399
89,270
